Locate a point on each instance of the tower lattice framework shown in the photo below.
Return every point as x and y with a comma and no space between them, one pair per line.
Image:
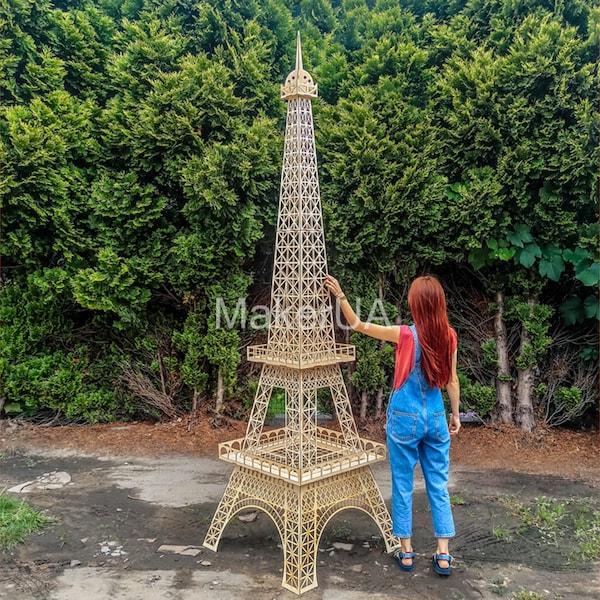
301,474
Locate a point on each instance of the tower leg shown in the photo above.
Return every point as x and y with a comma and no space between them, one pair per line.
225,510
301,541
259,409
377,508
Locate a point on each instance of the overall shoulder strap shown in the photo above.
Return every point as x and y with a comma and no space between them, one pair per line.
413,329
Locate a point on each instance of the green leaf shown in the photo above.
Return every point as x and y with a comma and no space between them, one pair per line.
572,311
526,256
506,253
589,277
592,307
492,244
551,251
97,277
520,236
477,258
577,256
589,354
452,192
552,268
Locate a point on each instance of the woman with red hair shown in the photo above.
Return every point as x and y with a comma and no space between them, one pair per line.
417,430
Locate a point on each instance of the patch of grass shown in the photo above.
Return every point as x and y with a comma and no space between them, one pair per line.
549,512
340,531
587,533
499,587
572,524
524,595
501,533
544,515
17,521
457,500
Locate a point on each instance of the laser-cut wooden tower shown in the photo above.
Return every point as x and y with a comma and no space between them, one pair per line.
301,474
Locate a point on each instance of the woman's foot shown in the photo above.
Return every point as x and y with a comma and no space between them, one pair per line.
442,563
405,559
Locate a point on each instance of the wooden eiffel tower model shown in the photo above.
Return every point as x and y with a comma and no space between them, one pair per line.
301,474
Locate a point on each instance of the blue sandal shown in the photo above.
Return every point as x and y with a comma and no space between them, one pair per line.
439,570
399,555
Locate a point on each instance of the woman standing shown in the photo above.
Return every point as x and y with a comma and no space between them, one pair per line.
417,430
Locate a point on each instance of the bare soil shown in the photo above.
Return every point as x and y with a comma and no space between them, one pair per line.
126,477
545,452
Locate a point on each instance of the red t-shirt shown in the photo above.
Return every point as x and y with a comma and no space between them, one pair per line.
405,354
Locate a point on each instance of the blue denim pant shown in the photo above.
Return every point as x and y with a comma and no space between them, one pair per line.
417,430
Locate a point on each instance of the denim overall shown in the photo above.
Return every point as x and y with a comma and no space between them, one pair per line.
417,431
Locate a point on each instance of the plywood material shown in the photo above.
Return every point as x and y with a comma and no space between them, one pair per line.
301,474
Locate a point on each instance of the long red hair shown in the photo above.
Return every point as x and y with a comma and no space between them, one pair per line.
427,304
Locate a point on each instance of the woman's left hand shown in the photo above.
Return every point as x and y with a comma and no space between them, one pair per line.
454,424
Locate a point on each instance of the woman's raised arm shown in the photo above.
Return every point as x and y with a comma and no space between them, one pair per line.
388,333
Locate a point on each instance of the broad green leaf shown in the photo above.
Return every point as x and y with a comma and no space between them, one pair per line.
520,236
572,310
552,268
477,258
590,276
506,253
452,192
592,307
526,256
577,256
551,251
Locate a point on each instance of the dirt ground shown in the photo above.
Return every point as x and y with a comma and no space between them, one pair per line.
136,487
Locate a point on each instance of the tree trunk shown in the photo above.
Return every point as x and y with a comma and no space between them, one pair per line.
379,403
503,411
195,400
220,392
525,417
364,401
161,370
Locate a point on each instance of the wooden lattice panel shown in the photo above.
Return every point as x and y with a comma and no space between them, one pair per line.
301,329
264,353
301,386
301,474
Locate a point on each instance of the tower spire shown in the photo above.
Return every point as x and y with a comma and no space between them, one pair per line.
299,83
299,66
